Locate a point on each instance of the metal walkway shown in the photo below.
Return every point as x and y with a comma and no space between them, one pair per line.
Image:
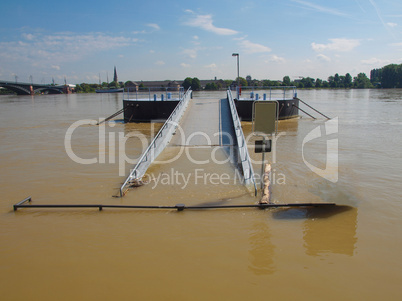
207,122
209,127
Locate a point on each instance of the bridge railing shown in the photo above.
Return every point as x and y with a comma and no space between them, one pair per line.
266,93
159,143
244,156
153,93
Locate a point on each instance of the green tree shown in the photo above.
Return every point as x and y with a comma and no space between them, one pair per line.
337,79
286,80
389,76
308,82
187,83
243,81
341,83
211,86
399,75
270,83
114,84
195,84
318,83
331,82
86,88
228,82
348,80
361,81
375,76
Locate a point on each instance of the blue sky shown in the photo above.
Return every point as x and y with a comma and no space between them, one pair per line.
158,40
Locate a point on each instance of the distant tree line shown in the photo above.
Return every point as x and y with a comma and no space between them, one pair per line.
389,76
346,81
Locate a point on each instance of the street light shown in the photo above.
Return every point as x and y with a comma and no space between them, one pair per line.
238,76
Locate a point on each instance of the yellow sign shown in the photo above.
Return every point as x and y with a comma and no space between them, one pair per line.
265,116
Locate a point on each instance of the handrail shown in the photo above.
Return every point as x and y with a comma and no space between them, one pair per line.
157,145
149,94
312,109
247,167
281,91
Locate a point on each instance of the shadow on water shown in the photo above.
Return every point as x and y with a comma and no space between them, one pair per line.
311,212
225,201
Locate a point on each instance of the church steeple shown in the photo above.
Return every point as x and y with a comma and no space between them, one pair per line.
115,79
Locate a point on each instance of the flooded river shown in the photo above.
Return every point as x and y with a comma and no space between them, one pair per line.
350,252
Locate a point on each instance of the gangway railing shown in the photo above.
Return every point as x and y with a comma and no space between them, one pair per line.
266,92
244,156
153,93
159,143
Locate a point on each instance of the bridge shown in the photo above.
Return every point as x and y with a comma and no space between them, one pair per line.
30,88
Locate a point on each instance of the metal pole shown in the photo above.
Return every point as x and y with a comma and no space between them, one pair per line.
238,74
238,71
262,164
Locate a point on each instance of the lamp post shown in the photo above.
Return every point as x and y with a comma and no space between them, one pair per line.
238,76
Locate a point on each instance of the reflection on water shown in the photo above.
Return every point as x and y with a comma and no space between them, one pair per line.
324,235
288,125
261,252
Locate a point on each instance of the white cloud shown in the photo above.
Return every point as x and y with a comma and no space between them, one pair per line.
196,41
61,47
392,24
137,32
55,67
250,47
205,22
375,61
152,51
343,45
28,36
277,59
191,53
323,57
320,9
160,63
184,65
154,26
211,66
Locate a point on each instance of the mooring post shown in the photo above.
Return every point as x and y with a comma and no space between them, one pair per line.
266,191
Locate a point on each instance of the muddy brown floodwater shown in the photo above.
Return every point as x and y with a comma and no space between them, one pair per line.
350,252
